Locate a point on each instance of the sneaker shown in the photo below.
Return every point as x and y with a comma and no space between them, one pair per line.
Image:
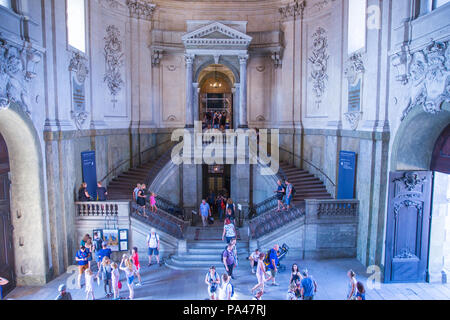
275,284
138,285
253,271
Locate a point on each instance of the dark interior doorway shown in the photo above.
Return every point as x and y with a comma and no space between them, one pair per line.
6,228
216,181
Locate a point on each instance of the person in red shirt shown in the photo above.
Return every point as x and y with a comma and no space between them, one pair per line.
135,258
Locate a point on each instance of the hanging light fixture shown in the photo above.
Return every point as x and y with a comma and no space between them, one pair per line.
216,84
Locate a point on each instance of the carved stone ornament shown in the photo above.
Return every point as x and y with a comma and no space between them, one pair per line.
411,180
79,117
113,60
405,254
294,10
78,64
141,9
276,58
17,69
320,5
355,67
353,119
319,63
427,72
157,55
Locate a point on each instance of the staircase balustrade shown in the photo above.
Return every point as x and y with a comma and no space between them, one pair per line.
104,208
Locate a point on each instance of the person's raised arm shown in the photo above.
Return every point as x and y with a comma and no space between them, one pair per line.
223,234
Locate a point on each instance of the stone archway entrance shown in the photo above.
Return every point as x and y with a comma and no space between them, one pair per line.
417,201
27,201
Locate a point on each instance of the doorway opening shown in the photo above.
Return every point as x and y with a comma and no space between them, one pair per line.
439,255
216,182
7,267
216,84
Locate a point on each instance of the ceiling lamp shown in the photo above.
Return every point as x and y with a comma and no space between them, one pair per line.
216,84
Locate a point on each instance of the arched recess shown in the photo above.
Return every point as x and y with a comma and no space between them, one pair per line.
27,196
441,153
416,138
224,62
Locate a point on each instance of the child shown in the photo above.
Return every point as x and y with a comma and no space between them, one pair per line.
89,283
153,203
130,271
115,275
135,258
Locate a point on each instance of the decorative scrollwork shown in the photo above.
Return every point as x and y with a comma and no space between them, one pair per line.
114,60
428,73
295,10
319,60
411,180
141,9
16,71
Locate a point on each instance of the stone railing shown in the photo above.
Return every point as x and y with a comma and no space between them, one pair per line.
102,209
263,207
169,207
160,220
321,209
271,221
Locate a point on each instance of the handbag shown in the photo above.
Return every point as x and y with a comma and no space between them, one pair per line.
119,285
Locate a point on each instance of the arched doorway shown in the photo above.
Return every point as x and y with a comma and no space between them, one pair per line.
416,220
215,107
7,269
27,200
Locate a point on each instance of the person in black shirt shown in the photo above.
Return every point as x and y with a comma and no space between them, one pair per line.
83,194
223,121
101,192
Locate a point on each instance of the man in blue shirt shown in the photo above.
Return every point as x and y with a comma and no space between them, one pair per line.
82,260
104,252
308,286
273,263
205,212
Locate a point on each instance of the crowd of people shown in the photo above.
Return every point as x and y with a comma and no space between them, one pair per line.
105,270
215,120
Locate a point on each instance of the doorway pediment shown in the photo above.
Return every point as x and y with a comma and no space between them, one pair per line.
216,34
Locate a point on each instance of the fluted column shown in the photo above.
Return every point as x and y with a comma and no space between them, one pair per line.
189,92
195,104
243,92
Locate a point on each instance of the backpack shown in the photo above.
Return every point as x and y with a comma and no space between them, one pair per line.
232,290
284,188
266,258
293,191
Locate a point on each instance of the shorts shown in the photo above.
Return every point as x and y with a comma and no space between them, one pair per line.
230,238
288,200
273,273
152,251
130,280
82,268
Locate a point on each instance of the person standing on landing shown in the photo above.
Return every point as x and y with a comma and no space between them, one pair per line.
153,246
205,212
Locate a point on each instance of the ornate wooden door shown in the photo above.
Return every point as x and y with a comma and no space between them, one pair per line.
408,225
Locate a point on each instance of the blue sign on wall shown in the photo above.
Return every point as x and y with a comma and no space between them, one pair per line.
347,174
90,172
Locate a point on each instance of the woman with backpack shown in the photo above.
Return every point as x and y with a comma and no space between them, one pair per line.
212,279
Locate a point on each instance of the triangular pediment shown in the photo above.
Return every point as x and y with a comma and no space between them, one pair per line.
216,33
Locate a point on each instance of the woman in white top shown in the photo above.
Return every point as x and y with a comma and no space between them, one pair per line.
115,275
212,279
260,273
229,231
352,290
226,289
89,283
130,271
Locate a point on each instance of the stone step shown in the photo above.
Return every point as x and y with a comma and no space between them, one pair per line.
213,245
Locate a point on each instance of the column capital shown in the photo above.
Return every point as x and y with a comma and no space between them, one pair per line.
189,58
243,59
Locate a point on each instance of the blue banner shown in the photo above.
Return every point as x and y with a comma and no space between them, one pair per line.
347,174
90,172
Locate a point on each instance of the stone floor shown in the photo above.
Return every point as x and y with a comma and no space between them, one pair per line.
162,283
